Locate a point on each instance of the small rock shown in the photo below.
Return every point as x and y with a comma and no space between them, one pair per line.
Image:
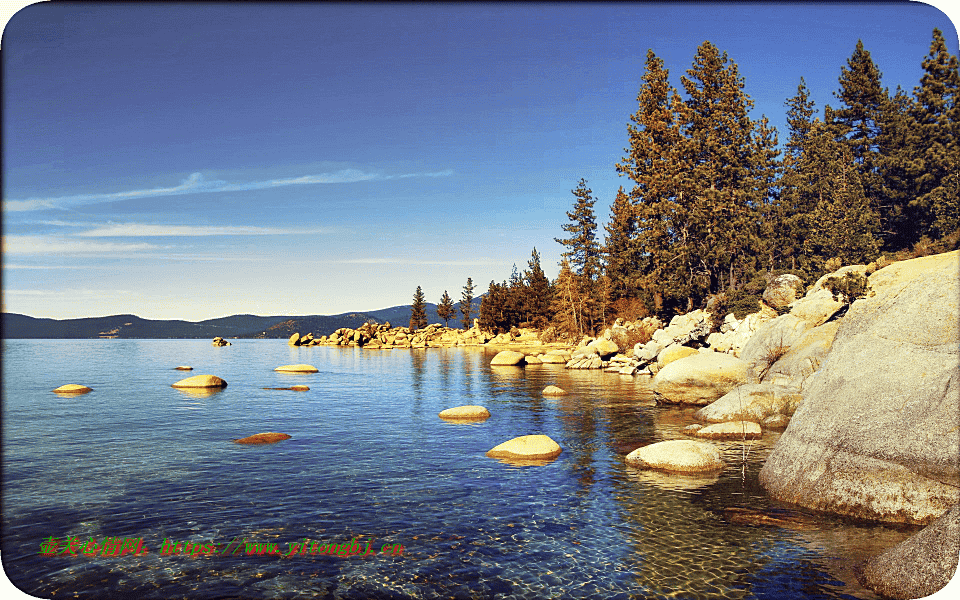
183,368
776,422
201,381
552,390
469,412
527,447
72,388
532,360
297,369
263,438
294,340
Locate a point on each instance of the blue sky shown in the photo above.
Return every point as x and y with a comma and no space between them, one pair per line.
194,161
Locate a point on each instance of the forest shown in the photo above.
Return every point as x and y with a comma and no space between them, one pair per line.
714,207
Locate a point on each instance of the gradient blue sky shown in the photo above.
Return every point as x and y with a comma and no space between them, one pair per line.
194,161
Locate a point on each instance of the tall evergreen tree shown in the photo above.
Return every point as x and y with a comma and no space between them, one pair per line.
466,304
493,308
537,300
583,252
568,301
797,199
620,248
721,212
858,123
656,163
418,312
445,309
843,221
937,117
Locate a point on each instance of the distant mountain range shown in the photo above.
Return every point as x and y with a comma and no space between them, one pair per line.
16,326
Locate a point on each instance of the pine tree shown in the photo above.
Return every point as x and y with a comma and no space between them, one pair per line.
466,304
418,312
858,122
445,309
493,308
722,210
568,301
537,300
583,252
937,116
656,163
620,248
843,222
797,199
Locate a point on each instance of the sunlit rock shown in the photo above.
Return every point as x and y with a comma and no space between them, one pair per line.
677,456
527,447
552,390
507,358
297,369
201,381
72,388
465,413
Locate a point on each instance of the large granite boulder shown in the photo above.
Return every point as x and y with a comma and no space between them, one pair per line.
674,352
782,290
731,430
878,433
677,456
770,342
699,379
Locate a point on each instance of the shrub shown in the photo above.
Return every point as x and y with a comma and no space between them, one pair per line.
848,288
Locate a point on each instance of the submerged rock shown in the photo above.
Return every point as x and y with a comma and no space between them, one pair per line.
72,388
677,456
297,369
295,388
527,447
201,381
263,438
919,566
731,430
466,413
552,390
878,433
183,368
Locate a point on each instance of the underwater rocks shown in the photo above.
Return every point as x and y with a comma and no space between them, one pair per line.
269,437
297,369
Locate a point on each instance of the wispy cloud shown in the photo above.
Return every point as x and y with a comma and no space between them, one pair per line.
411,261
146,230
35,244
196,184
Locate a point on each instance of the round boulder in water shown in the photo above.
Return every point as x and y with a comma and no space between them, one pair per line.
201,381
527,447
552,390
72,388
677,456
508,358
297,369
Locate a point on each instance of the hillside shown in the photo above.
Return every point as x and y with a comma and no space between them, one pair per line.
17,326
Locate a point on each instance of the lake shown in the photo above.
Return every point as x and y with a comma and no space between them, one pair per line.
369,463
